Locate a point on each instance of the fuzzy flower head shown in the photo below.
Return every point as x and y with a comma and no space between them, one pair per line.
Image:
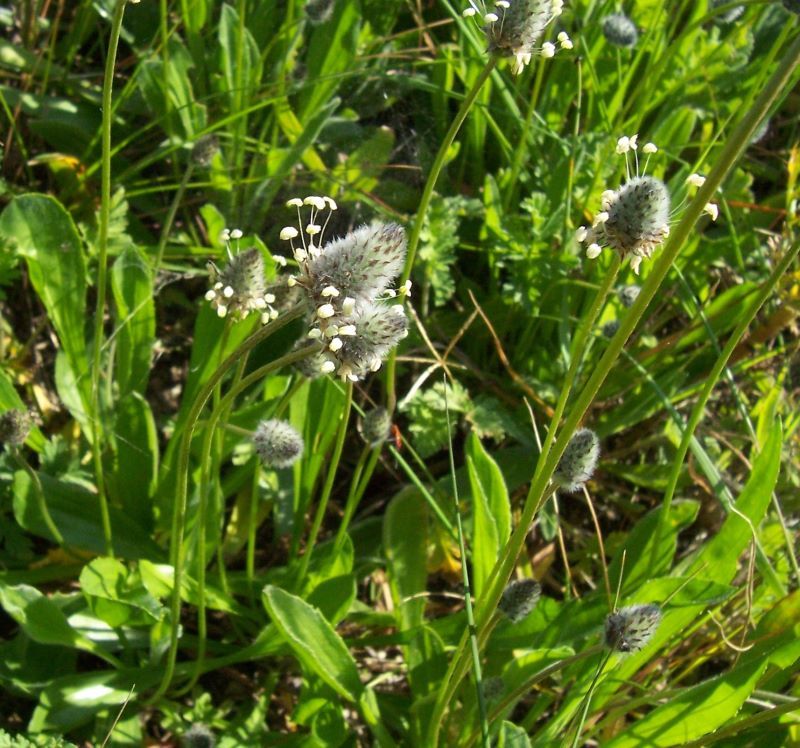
629,629
519,599
376,426
278,443
240,287
15,425
513,28
198,736
347,282
578,462
634,218
629,294
728,16
620,31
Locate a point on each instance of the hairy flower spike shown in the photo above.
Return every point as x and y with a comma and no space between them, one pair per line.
376,426
519,599
578,462
628,295
278,443
729,16
198,736
635,220
378,329
629,629
516,26
241,287
15,425
620,31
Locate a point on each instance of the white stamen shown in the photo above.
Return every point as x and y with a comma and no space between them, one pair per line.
328,367
326,311
270,298
330,291
291,281
649,148
581,233
593,250
316,202
335,344
331,331
548,49
289,232
314,333
313,229
331,203
280,260
211,294
348,305
713,210
696,180
295,202
468,12
222,310
347,330
601,217
491,17
227,292
236,234
623,144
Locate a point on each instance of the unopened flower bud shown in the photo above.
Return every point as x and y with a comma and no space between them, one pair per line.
620,31
198,736
519,599
278,443
629,629
376,426
578,462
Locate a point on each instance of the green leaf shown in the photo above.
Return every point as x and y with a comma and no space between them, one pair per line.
406,554
45,235
720,556
132,286
491,511
76,513
314,642
137,458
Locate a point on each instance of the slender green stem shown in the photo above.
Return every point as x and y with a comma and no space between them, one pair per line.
170,219
710,381
357,487
579,348
732,150
37,489
181,490
508,700
424,203
322,506
473,638
102,258
218,414
601,666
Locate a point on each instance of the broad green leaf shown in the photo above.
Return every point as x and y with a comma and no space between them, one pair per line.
491,511
45,235
314,642
701,709
241,71
720,556
512,736
135,478
116,595
638,545
406,553
158,581
135,328
76,513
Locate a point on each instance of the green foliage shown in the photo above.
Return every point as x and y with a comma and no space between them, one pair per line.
323,603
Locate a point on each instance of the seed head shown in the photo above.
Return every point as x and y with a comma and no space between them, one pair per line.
634,220
620,31
516,26
629,629
204,150
610,328
519,599
628,295
578,462
729,16
241,287
360,265
492,688
198,736
15,425
376,426
278,444
373,330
